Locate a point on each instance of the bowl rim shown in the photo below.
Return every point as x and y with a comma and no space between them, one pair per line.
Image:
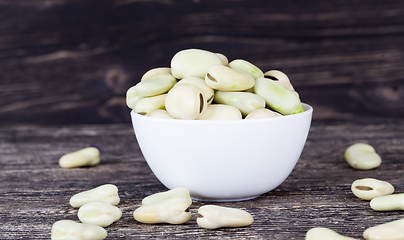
308,111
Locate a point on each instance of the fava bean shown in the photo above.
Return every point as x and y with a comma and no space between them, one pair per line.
207,91
223,58
388,203
244,101
85,157
185,101
220,112
160,113
155,71
369,188
132,97
147,105
71,230
388,231
262,113
362,156
277,75
213,217
105,193
320,233
223,78
171,210
247,67
158,84
173,193
193,63
277,97
99,213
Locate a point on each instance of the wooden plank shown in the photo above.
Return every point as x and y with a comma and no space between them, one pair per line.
71,62
35,191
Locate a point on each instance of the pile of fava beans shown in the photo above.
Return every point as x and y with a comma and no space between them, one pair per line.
203,85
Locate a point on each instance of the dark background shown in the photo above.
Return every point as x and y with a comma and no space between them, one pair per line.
71,61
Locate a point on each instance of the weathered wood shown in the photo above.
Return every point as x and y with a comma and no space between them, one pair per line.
71,62
35,191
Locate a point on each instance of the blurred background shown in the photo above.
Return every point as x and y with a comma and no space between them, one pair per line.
71,61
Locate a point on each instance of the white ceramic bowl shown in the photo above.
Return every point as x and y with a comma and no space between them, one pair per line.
223,160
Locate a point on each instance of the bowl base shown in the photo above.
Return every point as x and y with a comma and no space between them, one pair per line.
224,200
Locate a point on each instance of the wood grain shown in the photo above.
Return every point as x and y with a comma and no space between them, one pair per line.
35,191
71,62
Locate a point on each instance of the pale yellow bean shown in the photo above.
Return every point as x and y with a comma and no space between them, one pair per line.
106,193
277,97
193,63
155,71
99,213
220,112
71,230
171,210
362,156
132,97
247,67
185,101
223,58
156,85
387,231
223,78
179,192
277,75
369,188
161,113
85,157
213,217
392,202
147,105
244,101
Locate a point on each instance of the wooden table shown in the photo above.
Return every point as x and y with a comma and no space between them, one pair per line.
35,191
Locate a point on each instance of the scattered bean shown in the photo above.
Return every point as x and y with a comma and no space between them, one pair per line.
223,78
160,113
244,101
369,188
85,157
158,84
193,63
207,91
213,217
99,213
171,210
132,97
147,105
220,112
173,193
277,97
388,203
262,113
247,67
71,230
362,156
388,231
320,233
105,193
185,101
155,71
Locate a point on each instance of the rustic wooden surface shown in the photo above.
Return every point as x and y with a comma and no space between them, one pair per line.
35,191
71,62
